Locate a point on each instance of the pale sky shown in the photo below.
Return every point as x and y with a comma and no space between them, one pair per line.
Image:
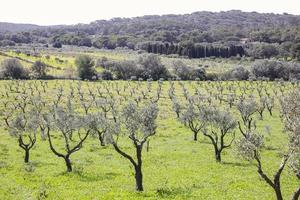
52,12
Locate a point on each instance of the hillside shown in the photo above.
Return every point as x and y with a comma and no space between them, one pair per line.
190,34
12,27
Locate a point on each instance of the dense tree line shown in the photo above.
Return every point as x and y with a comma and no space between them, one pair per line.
192,50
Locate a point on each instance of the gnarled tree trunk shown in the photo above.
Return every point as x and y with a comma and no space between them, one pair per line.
68,163
296,195
26,157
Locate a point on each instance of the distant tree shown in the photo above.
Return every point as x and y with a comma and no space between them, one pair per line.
237,73
57,45
182,70
263,50
85,67
199,74
296,51
106,75
271,69
126,69
4,43
12,68
85,42
39,69
152,67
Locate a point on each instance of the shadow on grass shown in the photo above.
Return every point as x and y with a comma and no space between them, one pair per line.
271,148
237,164
88,177
3,164
167,192
97,177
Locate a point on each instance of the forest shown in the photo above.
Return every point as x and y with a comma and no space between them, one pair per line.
223,34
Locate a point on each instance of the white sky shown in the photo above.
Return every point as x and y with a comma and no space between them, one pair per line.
51,12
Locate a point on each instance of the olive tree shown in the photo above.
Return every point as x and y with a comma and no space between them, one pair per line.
219,126
247,108
24,127
72,129
21,121
249,148
261,106
101,126
176,107
291,115
139,124
194,118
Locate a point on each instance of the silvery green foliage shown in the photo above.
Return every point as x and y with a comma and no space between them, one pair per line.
194,114
176,106
38,113
140,122
67,121
249,147
196,117
246,108
295,163
107,128
223,120
290,106
104,104
23,125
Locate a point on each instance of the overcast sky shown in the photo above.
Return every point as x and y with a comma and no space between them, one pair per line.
50,12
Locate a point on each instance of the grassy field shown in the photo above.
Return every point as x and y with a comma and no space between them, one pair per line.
176,167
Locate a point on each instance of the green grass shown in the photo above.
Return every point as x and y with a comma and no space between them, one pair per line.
176,167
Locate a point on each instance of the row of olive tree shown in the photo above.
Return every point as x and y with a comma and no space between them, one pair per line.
67,129
200,115
250,145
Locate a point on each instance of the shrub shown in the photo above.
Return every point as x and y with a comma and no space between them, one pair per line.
152,67
12,68
5,43
39,69
238,73
181,70
126,69
199,74
57,45
106,75
275,70
263,50
101,61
